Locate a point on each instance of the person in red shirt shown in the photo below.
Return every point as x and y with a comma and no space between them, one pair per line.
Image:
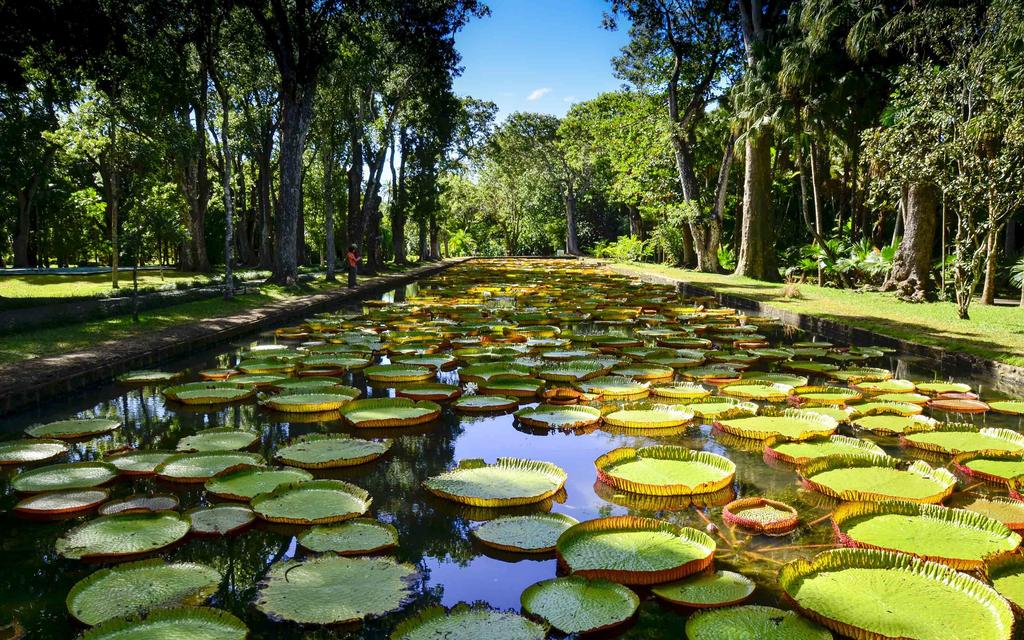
353,264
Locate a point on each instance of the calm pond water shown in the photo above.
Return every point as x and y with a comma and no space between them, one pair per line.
434,534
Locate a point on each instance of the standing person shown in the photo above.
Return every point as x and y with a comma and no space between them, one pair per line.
353,263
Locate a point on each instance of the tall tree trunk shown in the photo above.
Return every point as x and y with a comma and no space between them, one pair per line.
819,232
296,111
1010,241
636,223
910,276
300,224
229,240
435,245
266,228
988,290
398,213
689,255
757,241
24,230
330,250
572,246
355,188
423,240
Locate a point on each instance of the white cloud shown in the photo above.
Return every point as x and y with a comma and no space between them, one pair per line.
537,94
569,99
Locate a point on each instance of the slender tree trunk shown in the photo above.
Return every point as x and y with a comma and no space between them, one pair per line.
21,237
296,110
435,245
300,224
266,228
819,233
1010,240
229,240
330,250
398,213
988,290
572,246
636,223
355,189
757,240
423,240
689,255
911,269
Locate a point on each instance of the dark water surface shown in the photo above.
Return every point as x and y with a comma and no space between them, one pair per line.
434,534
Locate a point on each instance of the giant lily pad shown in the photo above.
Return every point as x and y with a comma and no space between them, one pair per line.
1006,510
22,452
761,515
123,535
681,390
573,371
752,622
355,537
879,387
857,375
938,388
512,386
796,425
535,533
801,451
506,483
466,622
390,412
880,406
825,396
335,589
889,425
312,502
961,539
485,404
198,623
139,463
1007,577
434,391
204,393
632,550
74,428
758,390
218,439
220,519
57,477
140,503
645,415
664,470
1000,467
953,439
323,451
720,408
311,402
203,465
61,503
138,587
147,377
246,484
615,386
707,590
481,373
1011,407
869,478
575,604
391,373
879,594
550,416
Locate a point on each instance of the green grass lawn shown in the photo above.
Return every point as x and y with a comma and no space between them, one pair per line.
996,333
91,285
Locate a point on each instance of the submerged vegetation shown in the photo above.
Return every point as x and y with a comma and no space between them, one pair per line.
609,454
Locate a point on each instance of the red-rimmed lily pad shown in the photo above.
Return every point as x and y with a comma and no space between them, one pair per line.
574,604
893,425
359,536
552,416
664,470
872,478
61,503
325,451
761,515
312,502
999,467
707,590
74,428
57,477
536,533
187,622
123,535
24,452
957,405
506,483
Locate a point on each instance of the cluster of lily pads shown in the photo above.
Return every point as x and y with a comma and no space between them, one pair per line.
558,347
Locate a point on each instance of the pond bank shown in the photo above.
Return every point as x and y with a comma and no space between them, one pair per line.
31,381
866,318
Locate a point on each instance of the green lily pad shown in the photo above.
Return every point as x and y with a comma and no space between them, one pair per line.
466,622
880,594
220,519
140,503
791,379
960,539
681,390
895,425
869,478
127,534
335,589
758,390
1012,407
203,465
485,403
220,439
213,392
506,483
1007,577
720,408
550,416
753,622
841,415
312,502
857,375
21,452
390,412
999,467
311,401
1006,510
573,371
480,373
535,533
139,463
799,452
792,424
434,391
935,388
147,377
645,415
324,451
198,623
902,398
616,386
59,503
878,407
246,484
575,604
707,590
57,477
893,385
398,373
138,587
665,470
953,439
355,537
826,396
631,550
74,428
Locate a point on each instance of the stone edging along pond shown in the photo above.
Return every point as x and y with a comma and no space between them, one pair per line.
31,381
838,331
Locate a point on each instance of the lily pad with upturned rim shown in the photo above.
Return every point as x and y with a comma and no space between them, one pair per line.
960,539
485,404
890,425
467,622
957,405
634,551
664,470
954,439
999,467
61,503
645,415
1006,510
23,452
358,536
57,477
681,390
801,451
325,451
1011,407
551,416
74,428
536,533
796,425
389,412
759,390
214,392
872,594
574,604
139,587
218,439
246,484
312,502
335,589
147,377
123,535
720,408
220,519
753,622
506,483
331,399
937,388
871,478
201,466
615,386
761,515
189,622
140,504
139,463
1007,577
816,396
434,391
707,590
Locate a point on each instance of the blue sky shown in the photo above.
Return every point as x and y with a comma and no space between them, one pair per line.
538,55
